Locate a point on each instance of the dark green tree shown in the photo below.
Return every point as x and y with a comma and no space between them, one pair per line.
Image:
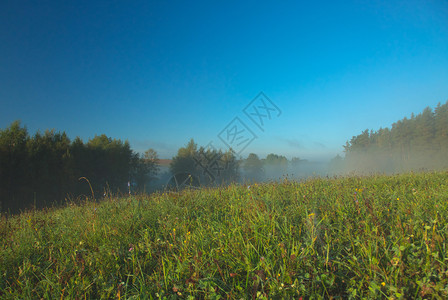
183,165
230,167
14,176
275,166
49,166
184,160
144,169
110,163
253,168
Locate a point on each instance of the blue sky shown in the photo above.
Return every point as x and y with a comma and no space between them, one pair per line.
160,73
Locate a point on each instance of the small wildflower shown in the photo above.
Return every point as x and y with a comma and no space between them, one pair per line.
131,249
398,198
383,283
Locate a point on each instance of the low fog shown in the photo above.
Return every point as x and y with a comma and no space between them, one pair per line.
50,169
418,143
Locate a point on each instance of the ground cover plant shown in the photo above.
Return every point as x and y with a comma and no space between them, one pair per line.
348,237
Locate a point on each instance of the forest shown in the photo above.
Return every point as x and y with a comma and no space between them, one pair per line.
411,144
48,168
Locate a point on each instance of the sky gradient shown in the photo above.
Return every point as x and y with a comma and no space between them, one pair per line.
160,73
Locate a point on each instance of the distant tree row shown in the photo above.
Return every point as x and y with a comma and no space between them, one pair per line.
44,169
196,166
420,142
275,166
204,166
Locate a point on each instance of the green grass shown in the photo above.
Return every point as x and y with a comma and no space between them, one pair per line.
353,237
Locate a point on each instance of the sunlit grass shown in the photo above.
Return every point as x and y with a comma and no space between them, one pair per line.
348,237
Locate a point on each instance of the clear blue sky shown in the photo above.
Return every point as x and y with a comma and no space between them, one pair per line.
160,73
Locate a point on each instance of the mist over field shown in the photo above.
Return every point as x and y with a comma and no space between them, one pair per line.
418,143
47,169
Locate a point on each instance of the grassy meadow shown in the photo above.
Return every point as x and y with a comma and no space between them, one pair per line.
348,237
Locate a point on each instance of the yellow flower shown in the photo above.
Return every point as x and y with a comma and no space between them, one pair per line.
398,198
383,283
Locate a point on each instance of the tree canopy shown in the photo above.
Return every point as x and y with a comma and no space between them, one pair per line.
44,169
419,142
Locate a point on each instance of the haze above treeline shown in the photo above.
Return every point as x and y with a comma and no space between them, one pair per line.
48,168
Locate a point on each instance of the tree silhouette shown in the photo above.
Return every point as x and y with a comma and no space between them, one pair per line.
253,168
44,170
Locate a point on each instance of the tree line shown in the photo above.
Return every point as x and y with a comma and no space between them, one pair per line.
415,143
204,166
44,169
275,166
47,168
207,166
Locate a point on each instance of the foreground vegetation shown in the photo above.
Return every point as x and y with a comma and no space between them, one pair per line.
379,236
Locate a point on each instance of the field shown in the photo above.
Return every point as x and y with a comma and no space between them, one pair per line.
348,237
